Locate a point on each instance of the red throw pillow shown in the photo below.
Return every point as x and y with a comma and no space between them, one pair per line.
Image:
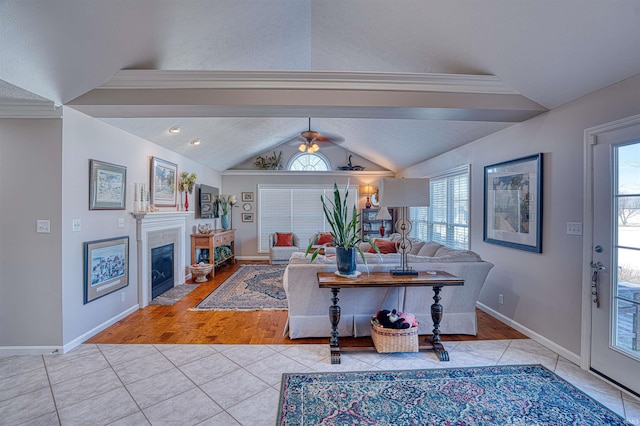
284,239
385,246
324,238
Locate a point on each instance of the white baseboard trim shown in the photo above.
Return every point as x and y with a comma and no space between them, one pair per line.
80,339
29,350
575,358
252,257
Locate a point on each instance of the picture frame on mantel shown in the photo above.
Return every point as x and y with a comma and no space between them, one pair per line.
107,186
164,183
513,203
106,267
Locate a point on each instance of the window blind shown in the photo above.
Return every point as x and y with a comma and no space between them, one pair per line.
297,209
446,220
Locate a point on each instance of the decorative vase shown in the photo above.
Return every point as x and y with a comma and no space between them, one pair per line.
346,259
186,201
224,221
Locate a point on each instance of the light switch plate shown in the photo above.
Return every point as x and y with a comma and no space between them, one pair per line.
77,225
121,222
574,228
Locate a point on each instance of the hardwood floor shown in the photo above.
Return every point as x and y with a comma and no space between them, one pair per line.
177,324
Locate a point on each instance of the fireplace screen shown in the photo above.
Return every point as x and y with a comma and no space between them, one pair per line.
161,269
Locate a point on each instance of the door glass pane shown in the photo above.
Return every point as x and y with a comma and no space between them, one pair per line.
626,270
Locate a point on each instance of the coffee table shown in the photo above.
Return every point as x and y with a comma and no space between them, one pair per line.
434,279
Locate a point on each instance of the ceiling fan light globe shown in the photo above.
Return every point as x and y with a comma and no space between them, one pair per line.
302,147
315,147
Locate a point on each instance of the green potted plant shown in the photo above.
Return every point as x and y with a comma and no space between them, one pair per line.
345,230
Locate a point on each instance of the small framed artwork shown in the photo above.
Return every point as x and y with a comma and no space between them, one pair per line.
163,183
107,186
106,267
247,196
205,198
513,203
247,217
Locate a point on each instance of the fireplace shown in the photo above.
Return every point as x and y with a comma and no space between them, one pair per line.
161,269
155,231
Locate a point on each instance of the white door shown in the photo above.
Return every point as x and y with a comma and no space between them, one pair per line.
615,309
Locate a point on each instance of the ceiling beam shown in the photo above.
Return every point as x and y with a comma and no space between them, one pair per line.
148,93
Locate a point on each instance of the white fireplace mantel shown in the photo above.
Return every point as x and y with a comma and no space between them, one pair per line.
148,223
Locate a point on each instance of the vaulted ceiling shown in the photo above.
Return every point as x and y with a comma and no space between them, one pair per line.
542,54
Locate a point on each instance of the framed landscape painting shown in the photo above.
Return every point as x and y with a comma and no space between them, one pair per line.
106,267
164,183
107,186
513,203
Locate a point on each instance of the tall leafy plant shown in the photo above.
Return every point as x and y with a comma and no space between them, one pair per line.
345,227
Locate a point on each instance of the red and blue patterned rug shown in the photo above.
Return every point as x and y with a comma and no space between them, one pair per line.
251,287
502,395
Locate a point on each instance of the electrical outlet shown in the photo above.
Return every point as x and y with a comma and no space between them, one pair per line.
121,222
122,296
76,225
43,226
500,299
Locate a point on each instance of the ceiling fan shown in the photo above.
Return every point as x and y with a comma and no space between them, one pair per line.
310,139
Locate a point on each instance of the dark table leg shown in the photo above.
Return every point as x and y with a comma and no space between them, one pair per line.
334,317
436,316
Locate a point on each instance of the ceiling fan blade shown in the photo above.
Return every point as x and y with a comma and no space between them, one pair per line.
329,137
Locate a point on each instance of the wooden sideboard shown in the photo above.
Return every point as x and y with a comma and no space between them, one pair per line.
203,247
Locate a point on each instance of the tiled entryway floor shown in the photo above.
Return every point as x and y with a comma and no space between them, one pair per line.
225,384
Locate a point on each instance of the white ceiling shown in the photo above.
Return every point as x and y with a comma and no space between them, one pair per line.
550,52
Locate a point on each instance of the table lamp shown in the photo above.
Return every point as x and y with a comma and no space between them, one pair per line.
382,215
367,190
403,193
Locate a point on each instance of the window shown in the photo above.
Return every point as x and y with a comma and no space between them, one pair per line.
295,208
309,162
446,220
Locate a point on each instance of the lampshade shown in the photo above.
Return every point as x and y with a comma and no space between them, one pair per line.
383,214
404,192
367,189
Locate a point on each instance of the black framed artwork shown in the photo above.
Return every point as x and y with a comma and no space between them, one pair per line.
513,203
106,267
107,186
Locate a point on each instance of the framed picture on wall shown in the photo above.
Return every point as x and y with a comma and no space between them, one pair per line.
106,267
107,186
247,217
513,203
163,186
247,196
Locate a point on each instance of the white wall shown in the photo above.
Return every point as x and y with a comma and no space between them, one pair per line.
541,291
30,263
86,138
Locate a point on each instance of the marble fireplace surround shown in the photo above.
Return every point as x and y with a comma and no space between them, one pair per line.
156,230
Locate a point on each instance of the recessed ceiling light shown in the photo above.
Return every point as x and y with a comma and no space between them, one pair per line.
175,129
195,142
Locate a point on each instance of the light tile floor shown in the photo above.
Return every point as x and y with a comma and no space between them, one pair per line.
225,384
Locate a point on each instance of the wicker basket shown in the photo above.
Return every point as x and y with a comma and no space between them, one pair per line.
387,340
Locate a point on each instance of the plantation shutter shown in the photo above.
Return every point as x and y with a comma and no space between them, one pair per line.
297,209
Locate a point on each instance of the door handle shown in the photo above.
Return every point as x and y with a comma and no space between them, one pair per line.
595,284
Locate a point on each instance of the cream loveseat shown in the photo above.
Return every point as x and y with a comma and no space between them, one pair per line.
309,305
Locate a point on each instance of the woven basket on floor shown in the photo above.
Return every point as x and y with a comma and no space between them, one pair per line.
387,340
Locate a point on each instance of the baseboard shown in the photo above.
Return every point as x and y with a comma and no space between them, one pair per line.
531,334
80,339
252,257
29,350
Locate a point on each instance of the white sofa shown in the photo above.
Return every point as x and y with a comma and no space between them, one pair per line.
309,305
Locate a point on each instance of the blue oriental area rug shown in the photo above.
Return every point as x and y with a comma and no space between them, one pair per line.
251,287
504,395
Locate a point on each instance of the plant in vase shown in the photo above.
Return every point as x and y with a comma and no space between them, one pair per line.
225,204
346,232
186,185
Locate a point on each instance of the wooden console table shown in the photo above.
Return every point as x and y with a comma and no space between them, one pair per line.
209,242
437,280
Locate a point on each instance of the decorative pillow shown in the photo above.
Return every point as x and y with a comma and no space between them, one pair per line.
324,238
429,249
385,246
416,245
284,239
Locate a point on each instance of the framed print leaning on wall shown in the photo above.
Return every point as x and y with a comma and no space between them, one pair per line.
513,203
164,177
106,267
107,186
